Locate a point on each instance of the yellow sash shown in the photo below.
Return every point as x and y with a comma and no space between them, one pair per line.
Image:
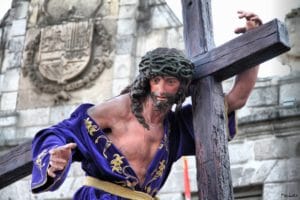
116,189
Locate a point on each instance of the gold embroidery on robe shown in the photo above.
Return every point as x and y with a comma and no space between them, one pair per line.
134,181
148,189
160,170
165,143
90,127
116,163
156,174
107,144
39,159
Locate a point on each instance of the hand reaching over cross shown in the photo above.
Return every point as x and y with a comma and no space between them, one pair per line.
252,21
244,81
59,158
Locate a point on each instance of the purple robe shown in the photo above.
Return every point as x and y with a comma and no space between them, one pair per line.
102,160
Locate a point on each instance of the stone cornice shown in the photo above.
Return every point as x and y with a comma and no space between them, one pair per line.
276,121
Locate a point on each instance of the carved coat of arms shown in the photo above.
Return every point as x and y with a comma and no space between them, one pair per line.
65,50
62,58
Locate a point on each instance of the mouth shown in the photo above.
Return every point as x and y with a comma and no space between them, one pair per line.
161,98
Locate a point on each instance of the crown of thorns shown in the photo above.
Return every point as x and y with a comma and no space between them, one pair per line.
164,61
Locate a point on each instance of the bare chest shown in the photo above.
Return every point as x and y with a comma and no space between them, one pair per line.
138,145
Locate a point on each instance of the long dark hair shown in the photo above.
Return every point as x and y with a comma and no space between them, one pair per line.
159,62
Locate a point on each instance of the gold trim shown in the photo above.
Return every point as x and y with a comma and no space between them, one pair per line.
116,189
91,128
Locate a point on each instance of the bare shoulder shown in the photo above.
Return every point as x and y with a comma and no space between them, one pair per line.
111,111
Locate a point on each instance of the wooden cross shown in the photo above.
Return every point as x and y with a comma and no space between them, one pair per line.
212,66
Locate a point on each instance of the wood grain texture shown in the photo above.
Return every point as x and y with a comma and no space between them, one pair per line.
16,164
243,52
212,158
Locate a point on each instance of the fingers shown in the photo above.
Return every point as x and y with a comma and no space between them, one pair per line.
256,20
54,167
240,30
59,158
249,25
57,163
65,148
71,145
51,173
247,15
252,21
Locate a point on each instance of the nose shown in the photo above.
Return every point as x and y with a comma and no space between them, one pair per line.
161,88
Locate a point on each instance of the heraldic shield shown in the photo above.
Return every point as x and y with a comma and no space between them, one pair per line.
65,50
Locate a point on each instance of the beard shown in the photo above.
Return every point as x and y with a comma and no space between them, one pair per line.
163,105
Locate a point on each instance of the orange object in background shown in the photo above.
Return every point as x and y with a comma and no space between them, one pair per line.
187,188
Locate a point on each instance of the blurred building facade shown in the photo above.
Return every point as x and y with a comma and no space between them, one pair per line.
57,54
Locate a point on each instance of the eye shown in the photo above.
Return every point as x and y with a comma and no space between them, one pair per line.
156,79
172,81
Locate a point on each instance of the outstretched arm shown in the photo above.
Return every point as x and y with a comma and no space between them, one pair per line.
52,156
245,81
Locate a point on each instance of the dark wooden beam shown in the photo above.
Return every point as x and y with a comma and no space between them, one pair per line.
243,52
212,157
15,164
198,39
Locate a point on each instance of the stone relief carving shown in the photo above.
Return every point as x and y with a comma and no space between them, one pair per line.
293,22
59,58
49,12
144,11
291,58
65,50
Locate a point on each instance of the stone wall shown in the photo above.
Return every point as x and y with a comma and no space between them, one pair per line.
266,151
13,30
35,95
